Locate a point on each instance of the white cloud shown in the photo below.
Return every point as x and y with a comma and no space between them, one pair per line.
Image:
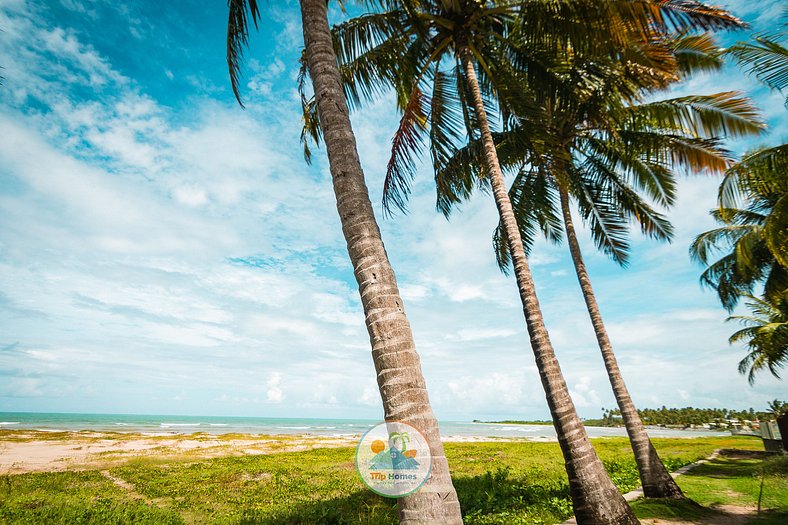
274,392
476,334
65,45
583,395
191,196
413,292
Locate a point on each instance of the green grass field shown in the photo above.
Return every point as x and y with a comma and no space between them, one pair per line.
734,478
498,483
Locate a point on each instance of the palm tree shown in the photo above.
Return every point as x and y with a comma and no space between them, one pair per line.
400,380
418,45
753,241
758,233
767,57
777,408
603,151
766,335
754,237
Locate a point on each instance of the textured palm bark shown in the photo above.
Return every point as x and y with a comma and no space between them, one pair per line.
399,375
595,499
657,481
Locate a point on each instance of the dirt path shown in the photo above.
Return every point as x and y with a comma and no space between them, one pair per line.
726,515
127,487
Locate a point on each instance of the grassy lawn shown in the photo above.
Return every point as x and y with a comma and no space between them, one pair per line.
733,478
498,483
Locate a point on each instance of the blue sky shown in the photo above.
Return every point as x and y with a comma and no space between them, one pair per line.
164,251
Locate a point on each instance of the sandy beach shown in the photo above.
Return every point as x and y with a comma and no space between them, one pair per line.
36,451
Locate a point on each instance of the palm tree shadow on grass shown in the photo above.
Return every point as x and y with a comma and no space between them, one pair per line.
668,510
730,463
490,494
363,507
672,509
498,493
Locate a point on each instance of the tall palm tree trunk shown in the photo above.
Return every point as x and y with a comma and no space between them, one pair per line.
657,481
399,375
595,499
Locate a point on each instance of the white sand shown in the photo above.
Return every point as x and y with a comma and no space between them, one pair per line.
34,451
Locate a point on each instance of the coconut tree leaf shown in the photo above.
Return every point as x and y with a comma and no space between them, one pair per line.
238,38
727,113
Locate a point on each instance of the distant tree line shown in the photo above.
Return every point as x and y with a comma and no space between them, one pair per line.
695,416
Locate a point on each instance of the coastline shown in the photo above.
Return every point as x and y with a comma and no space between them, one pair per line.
339,428
29,450
24,451
35,442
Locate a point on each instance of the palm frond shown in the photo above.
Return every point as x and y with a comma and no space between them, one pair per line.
535,204
599,210
644,169
776,283
721,276
717,240
690,14
761,172
406,147
238,38
456,178
766,335
311,132
748,220
695,53
726,113
775,230
447,131
767,59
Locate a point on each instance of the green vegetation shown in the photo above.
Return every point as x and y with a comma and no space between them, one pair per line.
497,483
751,239
736,477
73,497
689,416
673,416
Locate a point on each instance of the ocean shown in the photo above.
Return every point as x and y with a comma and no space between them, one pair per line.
157,424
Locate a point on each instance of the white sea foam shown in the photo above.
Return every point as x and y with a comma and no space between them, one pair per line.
168,425
297,428
9,422
218,424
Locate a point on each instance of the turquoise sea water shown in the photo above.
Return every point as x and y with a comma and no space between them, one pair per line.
158,424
